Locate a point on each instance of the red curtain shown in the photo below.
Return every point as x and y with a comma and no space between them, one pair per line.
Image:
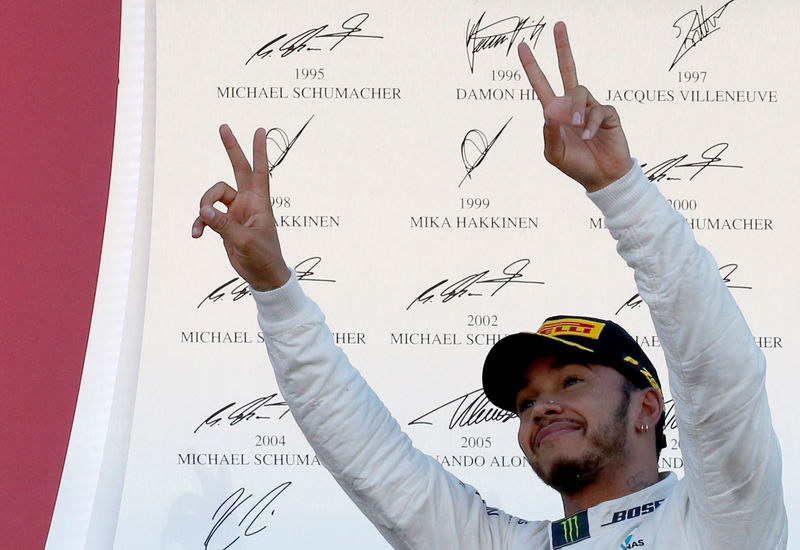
59,64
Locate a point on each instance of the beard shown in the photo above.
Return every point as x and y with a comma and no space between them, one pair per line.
569,475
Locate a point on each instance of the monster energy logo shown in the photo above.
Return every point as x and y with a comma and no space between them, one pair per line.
570,530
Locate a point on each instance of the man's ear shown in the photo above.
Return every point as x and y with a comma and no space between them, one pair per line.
650,409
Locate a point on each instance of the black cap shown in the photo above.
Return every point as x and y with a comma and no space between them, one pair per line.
581,339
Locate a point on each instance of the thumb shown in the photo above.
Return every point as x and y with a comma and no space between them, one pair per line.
216,220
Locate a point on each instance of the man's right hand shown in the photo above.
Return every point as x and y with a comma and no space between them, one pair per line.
582,138
248,228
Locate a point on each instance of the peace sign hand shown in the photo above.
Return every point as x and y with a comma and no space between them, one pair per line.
582,138
248,227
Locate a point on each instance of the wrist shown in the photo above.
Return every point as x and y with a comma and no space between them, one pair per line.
609,175
270,280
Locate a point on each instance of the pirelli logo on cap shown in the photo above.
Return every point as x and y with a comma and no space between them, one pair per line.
572,327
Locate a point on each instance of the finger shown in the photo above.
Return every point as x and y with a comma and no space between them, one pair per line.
220,222
535,75
221,192
260,164
566,64
197,228
578,108
599,115
239,162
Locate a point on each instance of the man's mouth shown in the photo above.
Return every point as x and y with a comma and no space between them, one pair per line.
554,430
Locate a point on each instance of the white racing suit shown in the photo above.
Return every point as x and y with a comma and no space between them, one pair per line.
731,495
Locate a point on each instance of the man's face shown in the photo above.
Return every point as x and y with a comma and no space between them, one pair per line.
573,421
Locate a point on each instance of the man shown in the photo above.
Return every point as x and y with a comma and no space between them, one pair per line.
586,398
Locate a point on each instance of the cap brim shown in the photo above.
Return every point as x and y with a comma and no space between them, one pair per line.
506,363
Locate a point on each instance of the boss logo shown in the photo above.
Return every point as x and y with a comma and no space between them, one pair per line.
634,512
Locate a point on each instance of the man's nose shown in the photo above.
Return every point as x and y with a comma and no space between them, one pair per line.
545,407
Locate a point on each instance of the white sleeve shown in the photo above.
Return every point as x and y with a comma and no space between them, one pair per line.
716,372
409,497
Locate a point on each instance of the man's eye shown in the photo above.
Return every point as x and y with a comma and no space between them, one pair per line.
571,380
525,405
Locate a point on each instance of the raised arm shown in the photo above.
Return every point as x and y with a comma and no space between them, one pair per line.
406,494
732,459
